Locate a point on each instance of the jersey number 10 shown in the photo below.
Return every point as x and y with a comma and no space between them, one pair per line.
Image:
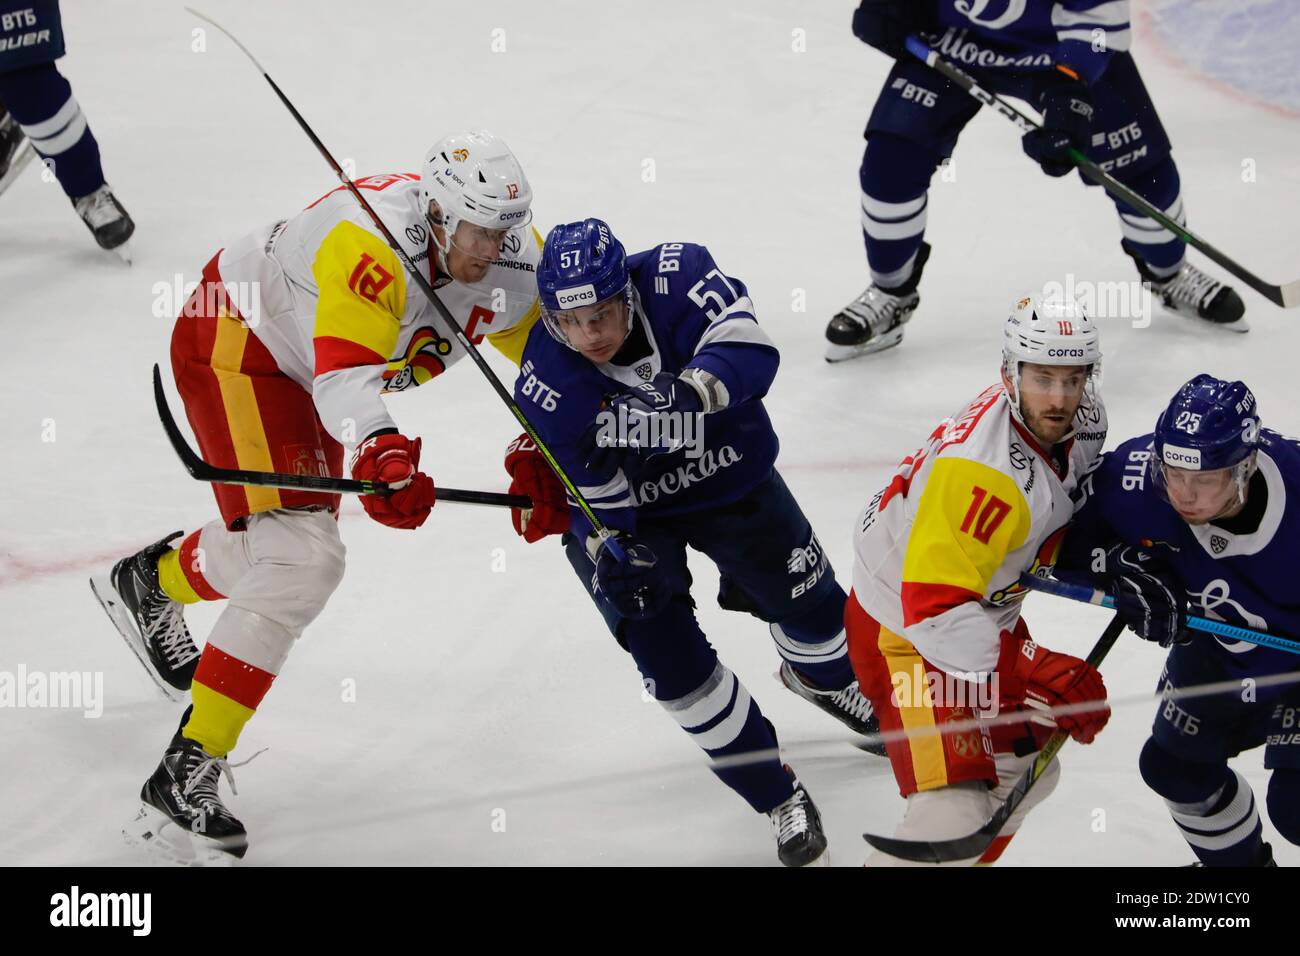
985,515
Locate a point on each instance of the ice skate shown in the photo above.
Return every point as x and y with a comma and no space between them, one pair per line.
107,220
797,825
151,623
874,321
849,706
181,816
16,150
1192,293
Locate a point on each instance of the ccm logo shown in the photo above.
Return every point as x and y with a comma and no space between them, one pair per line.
568,298
1065,353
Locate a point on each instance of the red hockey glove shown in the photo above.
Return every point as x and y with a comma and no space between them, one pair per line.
1040,678
530,475
394,459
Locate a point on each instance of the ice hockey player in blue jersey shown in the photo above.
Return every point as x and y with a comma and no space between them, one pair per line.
39,116
1068,59
646,381
1203,517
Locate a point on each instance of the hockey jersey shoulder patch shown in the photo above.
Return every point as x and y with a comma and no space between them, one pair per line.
970,516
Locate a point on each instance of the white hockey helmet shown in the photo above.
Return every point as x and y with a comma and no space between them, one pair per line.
473,175
1050,330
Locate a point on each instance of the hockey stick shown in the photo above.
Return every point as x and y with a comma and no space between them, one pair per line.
203,471
606,536
969,847
1287,296
1087,595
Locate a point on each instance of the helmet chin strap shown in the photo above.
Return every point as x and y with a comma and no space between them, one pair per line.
1242,472
441,249
633,304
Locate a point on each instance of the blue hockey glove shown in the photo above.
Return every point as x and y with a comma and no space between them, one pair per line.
635,587
885,24
654,418
1148,595
1067,112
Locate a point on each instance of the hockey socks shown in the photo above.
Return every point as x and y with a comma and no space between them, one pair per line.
725,721
1211,804
180,574
226,693
41,100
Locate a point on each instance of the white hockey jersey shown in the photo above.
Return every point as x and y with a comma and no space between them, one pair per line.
331,302
939,550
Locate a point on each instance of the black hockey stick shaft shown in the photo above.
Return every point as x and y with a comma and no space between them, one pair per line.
1287,296
203,471
974,845
502,392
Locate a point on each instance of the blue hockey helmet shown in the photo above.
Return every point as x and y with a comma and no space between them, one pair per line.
582,264
1210,424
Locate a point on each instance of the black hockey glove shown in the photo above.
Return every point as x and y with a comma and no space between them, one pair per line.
1148,595
1067,111
885,24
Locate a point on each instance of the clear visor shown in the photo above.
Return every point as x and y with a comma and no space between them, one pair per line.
594,327
487,245
1048,399
1061,387
1203,495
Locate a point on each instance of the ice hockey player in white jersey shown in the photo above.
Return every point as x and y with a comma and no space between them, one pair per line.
934,626
281,356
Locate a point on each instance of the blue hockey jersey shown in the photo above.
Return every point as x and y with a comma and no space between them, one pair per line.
691,315
1033,34
1244,579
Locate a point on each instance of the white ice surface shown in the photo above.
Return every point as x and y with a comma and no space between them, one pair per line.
482,690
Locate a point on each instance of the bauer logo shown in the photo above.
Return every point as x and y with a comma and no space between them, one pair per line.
1181,457
578,295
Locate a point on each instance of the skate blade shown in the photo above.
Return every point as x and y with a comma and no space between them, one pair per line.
1238,325
842,353
1241,325
163,839
102,588
123,252
21,159
823,860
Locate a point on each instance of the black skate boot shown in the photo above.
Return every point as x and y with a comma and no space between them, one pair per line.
181,815
849,706
107,220
15,149
800,840
1192,293
152,624
874,320
1263,859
